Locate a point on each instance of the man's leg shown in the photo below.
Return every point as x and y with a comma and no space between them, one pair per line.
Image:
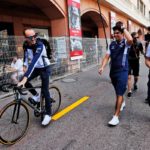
29,85
135,82
136,74
119,101
129,86
35,99
46,94
120,88
45,91
115,120
130,79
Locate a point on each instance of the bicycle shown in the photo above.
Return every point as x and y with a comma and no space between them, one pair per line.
15,115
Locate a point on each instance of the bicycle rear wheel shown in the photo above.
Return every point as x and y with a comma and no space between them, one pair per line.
14,121
55,98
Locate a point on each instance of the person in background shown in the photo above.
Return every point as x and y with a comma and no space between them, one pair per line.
28,55
147,38
118,52
17,68
147,62
134,64
147,41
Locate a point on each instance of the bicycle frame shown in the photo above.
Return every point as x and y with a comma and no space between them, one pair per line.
19,100
15,111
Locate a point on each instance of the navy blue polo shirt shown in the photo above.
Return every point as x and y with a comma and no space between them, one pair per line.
118,52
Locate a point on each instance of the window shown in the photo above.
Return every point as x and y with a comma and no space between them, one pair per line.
141,6
138,4
144,10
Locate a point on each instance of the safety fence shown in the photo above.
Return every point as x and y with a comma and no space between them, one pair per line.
61,64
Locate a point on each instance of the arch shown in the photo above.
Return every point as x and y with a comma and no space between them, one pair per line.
50,8
43,14
47,9
96,14
92,23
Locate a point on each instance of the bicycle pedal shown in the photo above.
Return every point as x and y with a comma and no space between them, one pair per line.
52,100
36,113
38,105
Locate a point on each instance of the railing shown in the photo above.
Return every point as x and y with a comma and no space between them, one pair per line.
93,49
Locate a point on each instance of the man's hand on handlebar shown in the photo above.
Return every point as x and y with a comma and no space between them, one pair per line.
22,83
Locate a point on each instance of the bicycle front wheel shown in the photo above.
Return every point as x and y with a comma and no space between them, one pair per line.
55,99
14,121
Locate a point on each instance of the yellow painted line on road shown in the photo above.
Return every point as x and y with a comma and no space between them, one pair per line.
69,108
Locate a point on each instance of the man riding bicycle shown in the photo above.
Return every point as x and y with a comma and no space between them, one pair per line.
39,66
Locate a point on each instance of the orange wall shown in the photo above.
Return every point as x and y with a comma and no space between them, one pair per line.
59,27
90,5
61,5
19,22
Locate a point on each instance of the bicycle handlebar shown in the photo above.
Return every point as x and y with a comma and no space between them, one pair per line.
5,88
19,89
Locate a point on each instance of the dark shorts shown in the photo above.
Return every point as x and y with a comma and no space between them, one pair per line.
119,81
134,67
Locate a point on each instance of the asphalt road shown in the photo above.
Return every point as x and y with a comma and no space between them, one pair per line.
85,127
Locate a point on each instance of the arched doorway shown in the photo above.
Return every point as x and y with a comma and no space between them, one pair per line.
29,13
92,24
92,29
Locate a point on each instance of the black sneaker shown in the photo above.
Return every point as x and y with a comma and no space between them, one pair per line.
135,87
33,102
129,94
146,100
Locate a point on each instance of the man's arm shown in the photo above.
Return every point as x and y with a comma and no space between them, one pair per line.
32,65
128,37
104,62
147,62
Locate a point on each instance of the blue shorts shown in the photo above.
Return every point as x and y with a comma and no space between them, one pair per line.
119,81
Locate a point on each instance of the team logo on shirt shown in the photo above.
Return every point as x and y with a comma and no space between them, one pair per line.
121,45
38,50
112,47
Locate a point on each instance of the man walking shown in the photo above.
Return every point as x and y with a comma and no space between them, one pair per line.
134,64
118,50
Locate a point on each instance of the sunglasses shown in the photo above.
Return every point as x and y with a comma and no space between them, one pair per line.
117,32
31,37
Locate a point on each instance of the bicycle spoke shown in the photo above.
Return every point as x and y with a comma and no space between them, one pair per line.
12,129
55,99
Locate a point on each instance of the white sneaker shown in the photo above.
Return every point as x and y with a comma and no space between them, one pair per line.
114,121
123,106
46,120
36,98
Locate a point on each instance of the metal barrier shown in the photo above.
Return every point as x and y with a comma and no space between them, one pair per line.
93,49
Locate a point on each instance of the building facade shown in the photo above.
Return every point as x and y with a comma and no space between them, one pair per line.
59,21
51,16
